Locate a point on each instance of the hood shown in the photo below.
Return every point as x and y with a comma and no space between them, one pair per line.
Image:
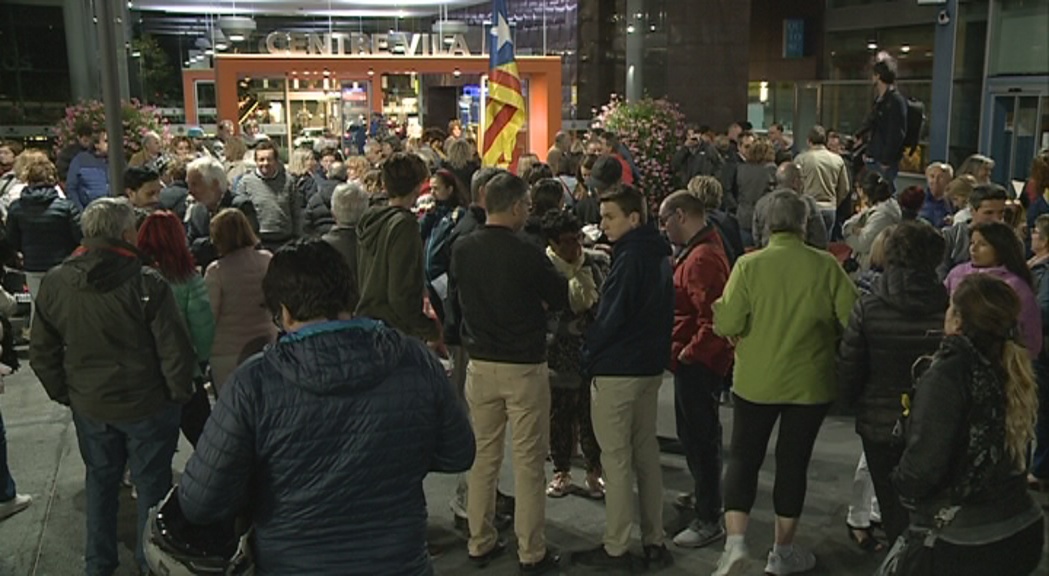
374,221
912,291
102,265
341,357
645,239
39,195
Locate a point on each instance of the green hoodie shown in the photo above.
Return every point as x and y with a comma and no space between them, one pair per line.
390,271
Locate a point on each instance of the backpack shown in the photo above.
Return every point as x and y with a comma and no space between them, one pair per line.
915,124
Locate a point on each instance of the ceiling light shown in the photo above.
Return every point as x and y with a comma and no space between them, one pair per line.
236,37
209,52
872,46
905,48
630,29
237,27
221,45
136,54
457,73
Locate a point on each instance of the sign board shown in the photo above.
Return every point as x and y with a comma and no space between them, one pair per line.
355,43
793,38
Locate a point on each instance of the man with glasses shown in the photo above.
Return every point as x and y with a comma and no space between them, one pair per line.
502,288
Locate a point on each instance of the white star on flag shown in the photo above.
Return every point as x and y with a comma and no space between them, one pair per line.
501,31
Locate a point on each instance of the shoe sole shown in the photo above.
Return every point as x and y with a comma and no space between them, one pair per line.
700,543
738,568
804,571
15,511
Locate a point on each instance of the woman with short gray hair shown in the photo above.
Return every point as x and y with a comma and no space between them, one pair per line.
784,307
348,203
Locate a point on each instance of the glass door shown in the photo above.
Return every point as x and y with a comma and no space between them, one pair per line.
1019,129
1002,125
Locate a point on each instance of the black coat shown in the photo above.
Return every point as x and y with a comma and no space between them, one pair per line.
889,330
319,219
43,227
173,198
886,127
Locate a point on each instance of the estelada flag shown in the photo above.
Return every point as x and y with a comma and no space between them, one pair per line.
505,112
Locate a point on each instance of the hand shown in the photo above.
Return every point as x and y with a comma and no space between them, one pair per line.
438,348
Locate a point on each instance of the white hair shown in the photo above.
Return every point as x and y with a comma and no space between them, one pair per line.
348,203
150,135
107,218
787,212
210,169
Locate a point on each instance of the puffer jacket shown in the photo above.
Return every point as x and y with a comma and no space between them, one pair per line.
108,338
319,219
899,322
324,440
44,227
88,179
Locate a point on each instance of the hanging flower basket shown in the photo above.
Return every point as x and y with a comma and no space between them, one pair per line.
137,119
652,130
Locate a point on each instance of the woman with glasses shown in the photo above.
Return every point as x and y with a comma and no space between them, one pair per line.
242,324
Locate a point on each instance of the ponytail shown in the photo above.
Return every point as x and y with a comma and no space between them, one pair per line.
1021,400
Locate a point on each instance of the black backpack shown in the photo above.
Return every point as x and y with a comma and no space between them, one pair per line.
915,125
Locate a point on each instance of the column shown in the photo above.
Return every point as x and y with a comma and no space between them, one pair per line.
80,48
938,112
635,50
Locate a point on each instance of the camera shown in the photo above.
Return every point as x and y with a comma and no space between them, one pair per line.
943,18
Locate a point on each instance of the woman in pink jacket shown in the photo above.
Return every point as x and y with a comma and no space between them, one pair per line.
243,325
995,249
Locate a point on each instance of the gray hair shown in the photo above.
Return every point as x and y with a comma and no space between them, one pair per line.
210,169
338,171
150,136
348,203
786,212
788,175
108,218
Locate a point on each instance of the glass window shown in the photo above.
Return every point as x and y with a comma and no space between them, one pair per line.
849,55
1020,44
970,49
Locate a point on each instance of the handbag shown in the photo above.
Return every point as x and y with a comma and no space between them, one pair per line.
911,554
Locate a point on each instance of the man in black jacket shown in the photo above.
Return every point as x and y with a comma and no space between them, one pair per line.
109,341
209,188
627,350
696,158
504,287
886,126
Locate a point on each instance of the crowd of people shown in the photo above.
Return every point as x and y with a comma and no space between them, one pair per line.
326,333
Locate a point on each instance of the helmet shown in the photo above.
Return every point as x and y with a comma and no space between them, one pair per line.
175,547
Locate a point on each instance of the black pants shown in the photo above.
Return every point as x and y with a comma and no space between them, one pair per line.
697,391
195,413
1017,555
799,424
569,414
882,458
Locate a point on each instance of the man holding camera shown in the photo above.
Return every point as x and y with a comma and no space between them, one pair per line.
696,158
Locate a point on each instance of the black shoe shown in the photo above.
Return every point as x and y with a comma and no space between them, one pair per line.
657,557
485,559
547,564
504,504
600,558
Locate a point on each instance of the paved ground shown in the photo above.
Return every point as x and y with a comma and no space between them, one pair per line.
47,539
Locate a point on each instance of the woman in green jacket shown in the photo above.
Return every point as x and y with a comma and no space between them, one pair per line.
785,307
163,238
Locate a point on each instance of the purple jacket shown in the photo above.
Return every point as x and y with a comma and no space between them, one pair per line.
1030,315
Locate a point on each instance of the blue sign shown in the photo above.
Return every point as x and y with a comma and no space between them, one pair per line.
793,38
472,90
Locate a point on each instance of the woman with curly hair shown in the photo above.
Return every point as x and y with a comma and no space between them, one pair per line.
754,179
972,416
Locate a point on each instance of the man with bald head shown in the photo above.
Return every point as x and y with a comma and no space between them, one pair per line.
788,177
559,151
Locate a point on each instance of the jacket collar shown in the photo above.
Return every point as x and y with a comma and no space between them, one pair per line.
111,245
784,239
704,236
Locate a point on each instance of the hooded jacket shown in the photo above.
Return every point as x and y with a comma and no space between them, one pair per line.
390,271
277,204
198,226
889,329
88,178
44,227
635,317
108,338
324,439
700,274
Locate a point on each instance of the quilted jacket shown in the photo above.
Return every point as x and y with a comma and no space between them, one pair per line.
324,440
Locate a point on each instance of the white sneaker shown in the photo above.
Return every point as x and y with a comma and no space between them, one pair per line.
15,505
733,562
799,561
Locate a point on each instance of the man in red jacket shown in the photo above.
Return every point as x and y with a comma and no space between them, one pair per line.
700,358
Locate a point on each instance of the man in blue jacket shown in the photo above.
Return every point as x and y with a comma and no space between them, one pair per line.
324,439
626,352
88,178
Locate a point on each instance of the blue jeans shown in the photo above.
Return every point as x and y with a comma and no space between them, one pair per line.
697,392
830,217
7,483
889,173
147,445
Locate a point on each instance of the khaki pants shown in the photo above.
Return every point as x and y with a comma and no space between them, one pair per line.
624,415
520,394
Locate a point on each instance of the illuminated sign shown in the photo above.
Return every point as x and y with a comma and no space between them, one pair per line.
354,43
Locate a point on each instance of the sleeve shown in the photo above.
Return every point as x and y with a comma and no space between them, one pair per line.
46,348
75,230
201,319
405,289
216,482
1031,322
679,160
845,292
1043,301
178,363
616,295
897,122
757,229
706,282
844,185
455,447
877,221
937,417
853,358
247,207
8,305
214,286
298,203
816,233
582,290
732,310
453,310
73,184
553,287
14,227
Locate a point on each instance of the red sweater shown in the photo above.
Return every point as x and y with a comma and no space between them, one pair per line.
700,274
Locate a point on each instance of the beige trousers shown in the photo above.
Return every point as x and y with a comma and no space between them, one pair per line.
623,411
519,394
